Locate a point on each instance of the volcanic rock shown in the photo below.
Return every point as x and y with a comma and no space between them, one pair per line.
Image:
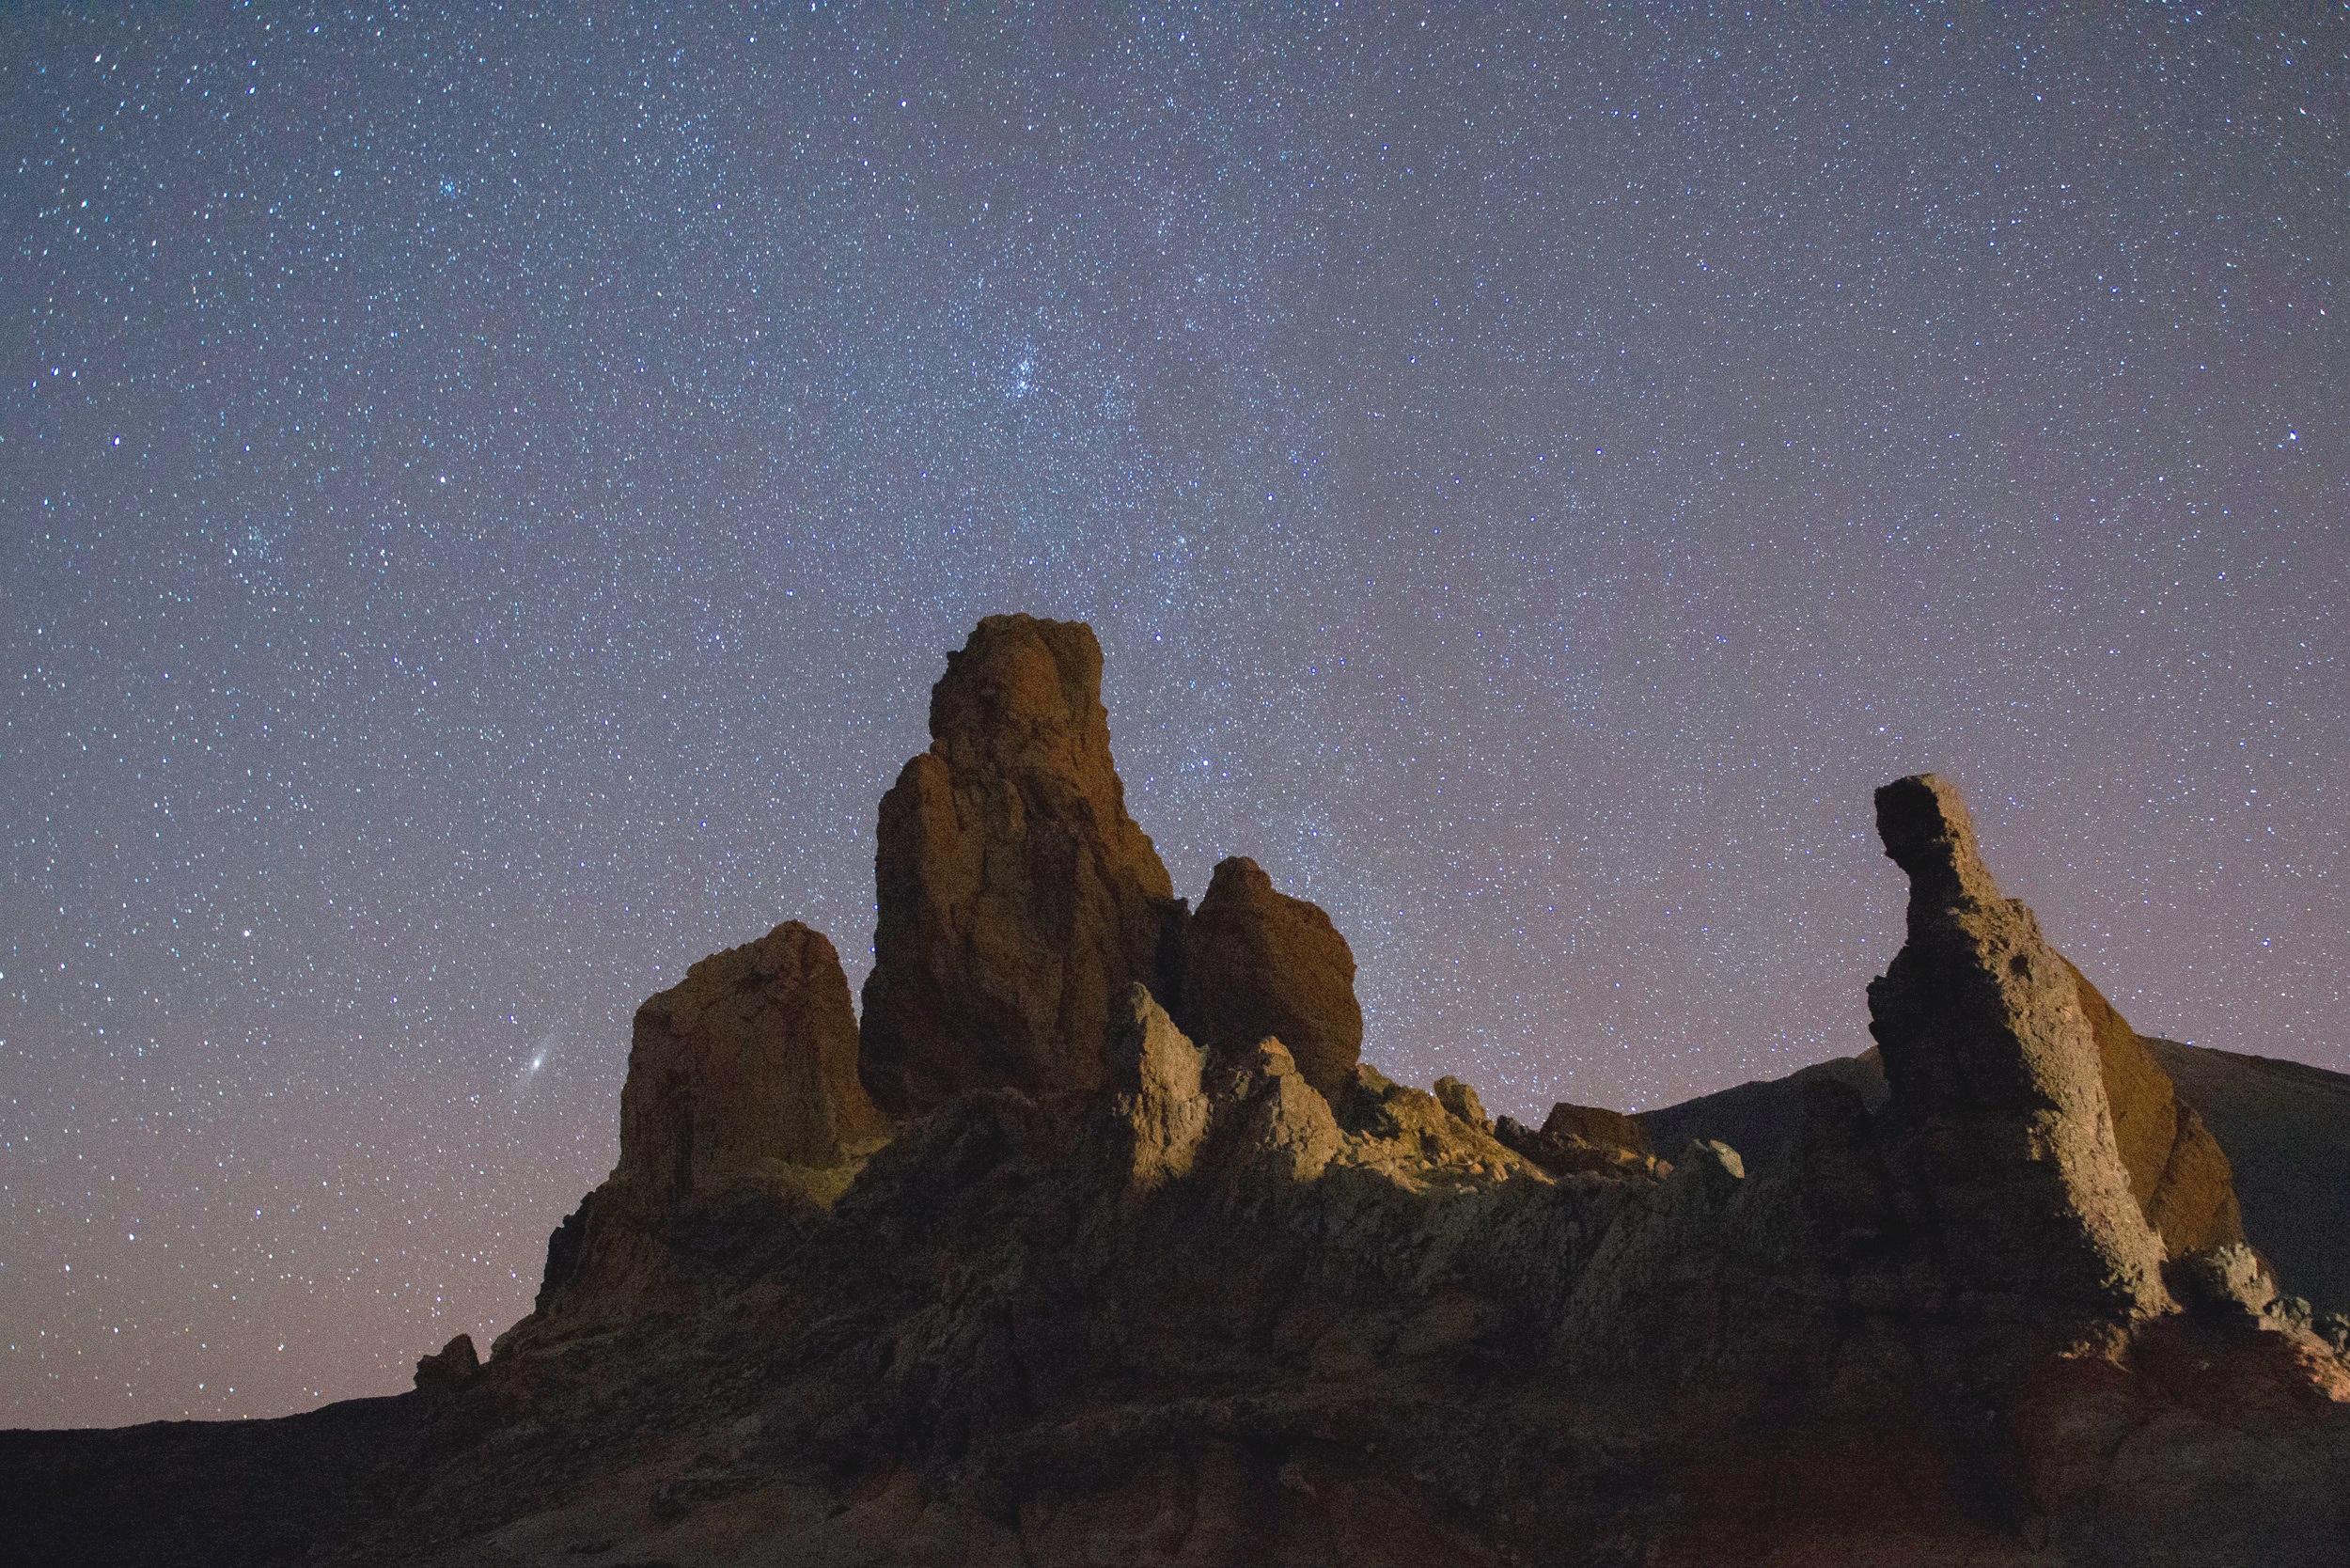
1997,1078
2229,1279
747,1064
1462,1101
1211,1313
1017,900
1281,1121
1159,1102
2177,1172
453,1366
1259,963
1584,1137
1598,1125
741,1077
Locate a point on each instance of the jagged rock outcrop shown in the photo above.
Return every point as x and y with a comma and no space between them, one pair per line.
1258,964
1598,1125
741,1076
1164,1299
1584,1137
1159,1104
1996,1078
1017,900
1462,1101
747,1064
453,1366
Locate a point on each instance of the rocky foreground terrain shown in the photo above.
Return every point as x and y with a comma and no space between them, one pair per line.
1096,1242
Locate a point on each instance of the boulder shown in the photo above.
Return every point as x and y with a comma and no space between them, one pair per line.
1017,900
1998,1087
453,1366
1462,1101
1258,964
747,1064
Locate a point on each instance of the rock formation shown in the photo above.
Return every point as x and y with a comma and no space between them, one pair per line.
1160,1106
1996,1076
1258,964
1584,1137
1462,1101
1017,900
744,1073
747,1064
453,1366
1142,1296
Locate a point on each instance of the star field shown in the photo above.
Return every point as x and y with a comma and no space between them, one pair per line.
485,498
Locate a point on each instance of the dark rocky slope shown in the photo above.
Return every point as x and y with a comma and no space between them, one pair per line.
2284,1128
1138,1297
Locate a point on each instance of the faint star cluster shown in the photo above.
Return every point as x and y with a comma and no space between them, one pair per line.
486,496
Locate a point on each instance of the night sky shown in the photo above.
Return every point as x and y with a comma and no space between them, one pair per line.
485,500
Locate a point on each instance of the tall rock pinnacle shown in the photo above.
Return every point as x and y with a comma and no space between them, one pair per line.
1997,1079
1017,900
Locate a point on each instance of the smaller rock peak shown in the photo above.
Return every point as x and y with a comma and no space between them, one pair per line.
1461,1099
453,1366
751,1060
1237,876
1259,963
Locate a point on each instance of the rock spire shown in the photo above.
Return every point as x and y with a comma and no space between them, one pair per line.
1017,900
1997,1082
749,1062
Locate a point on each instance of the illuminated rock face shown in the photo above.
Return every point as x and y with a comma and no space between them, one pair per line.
2177,1172
1017,900
747,1064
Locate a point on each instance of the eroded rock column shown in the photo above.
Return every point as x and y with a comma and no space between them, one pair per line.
1017,900
1997,1082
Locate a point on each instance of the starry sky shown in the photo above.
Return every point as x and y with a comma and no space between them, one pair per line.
485,496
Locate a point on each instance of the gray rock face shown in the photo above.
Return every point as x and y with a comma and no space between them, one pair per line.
1158,1098
1997,1079
1017,900
1259,963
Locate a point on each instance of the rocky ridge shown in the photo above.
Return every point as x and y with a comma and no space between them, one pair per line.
1136,1278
